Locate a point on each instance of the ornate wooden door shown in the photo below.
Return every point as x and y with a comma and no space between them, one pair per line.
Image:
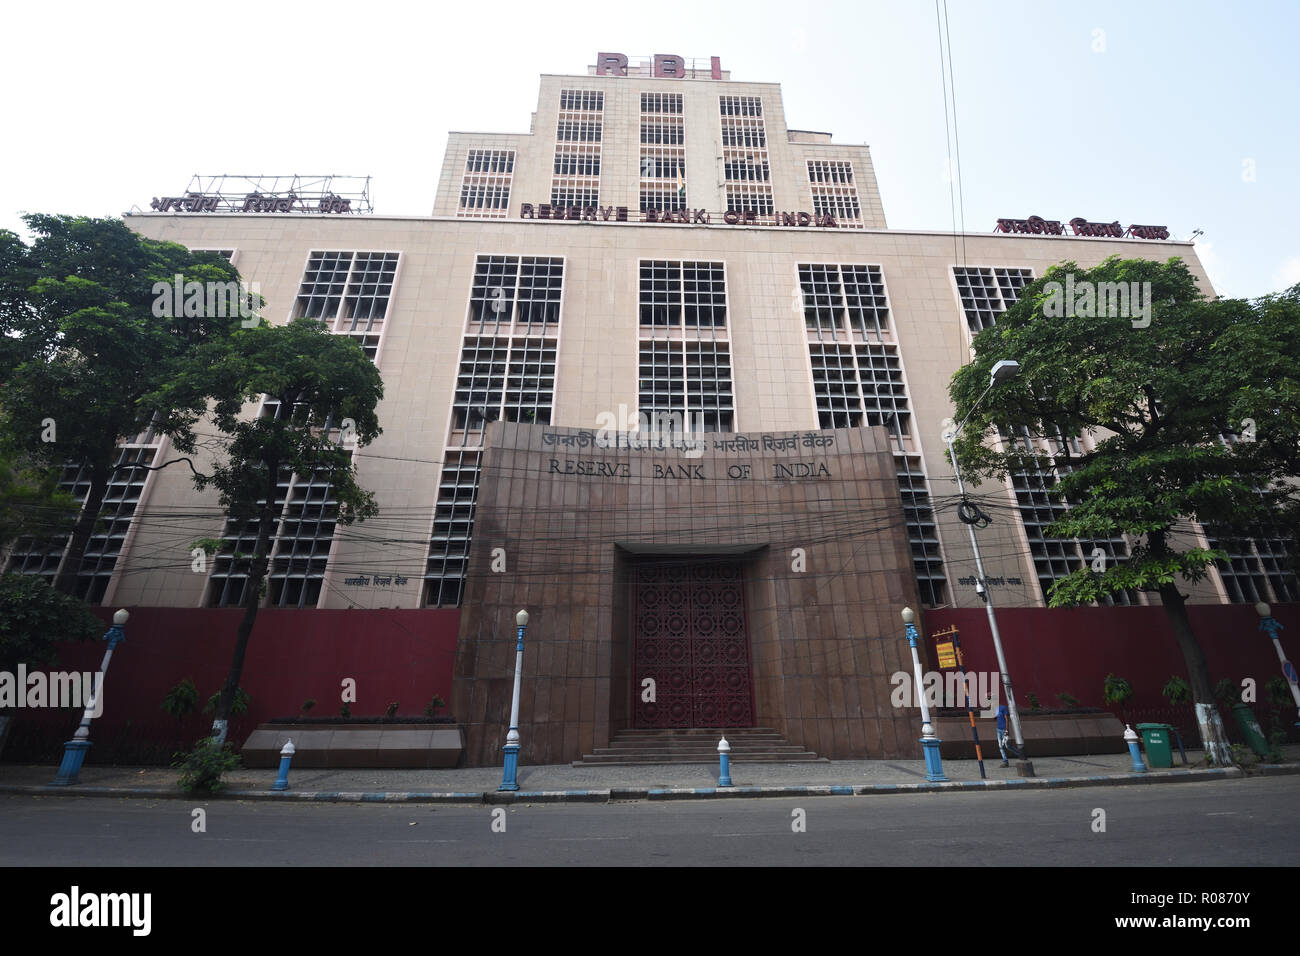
691,639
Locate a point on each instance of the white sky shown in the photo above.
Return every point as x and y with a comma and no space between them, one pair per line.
1162,117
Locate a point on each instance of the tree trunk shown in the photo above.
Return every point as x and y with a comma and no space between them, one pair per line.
257,572
1213,737
66,579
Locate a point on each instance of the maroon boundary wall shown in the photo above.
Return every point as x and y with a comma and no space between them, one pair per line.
1071,650
407,656
402,656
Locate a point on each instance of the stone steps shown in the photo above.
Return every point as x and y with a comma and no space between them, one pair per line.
695,746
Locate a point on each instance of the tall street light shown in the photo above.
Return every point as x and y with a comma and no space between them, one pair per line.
74,750
1003,371
508,781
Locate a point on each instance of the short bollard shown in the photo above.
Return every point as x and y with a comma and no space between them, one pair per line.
282,779
1131,738
724,758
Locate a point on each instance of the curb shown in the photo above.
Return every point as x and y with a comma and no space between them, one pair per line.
613,794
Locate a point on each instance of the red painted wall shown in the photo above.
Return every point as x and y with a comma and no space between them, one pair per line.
394,655
1073,649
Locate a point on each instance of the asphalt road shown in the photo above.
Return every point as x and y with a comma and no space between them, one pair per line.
1235,823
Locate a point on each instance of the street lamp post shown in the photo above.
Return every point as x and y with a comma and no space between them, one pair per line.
74,750
1002,371
929,741
508,781
1273,627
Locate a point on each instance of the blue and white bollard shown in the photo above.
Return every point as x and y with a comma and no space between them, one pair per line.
1131,738
282,779
724,760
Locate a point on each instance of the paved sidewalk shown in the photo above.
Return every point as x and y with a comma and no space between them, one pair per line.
566,783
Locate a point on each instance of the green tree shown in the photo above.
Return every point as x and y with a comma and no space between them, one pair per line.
34,617
321,392
84,344
1157,398
31,503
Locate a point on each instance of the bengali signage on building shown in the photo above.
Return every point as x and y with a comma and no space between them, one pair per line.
1038,226
252,202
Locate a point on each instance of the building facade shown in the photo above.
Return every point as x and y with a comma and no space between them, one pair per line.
658,371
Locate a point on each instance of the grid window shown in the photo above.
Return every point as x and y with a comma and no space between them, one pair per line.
485,187
746,168
987,293
820,171
1257,567
833,191
663,132
673,294
507,375
661,103
512,293
574,196
662,198
756,199
578,132
690,381
922,531
835,294
587,100
453,528
99,559
741,105
1055,558
573,163
307,511
858,381
350,291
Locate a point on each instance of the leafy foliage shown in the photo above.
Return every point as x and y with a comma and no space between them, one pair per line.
431,709
238,706
324,390
203,767
1116,690
1176,690
182,699
82,346
34,617
1158,399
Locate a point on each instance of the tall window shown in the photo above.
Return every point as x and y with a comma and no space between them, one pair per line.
663,153
745,164
1055,558
578,132
117,516
684,345
857,376
306,514
485,185
506,373
987,293
834,192
349,291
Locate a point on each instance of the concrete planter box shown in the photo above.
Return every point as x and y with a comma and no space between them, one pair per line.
1054,735
393,746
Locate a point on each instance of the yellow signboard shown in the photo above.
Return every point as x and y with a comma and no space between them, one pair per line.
947,654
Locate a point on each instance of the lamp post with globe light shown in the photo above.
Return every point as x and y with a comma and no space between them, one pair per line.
929,741
511,769
1002,371
74,750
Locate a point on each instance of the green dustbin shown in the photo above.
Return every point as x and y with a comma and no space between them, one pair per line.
1155,741
1250,728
